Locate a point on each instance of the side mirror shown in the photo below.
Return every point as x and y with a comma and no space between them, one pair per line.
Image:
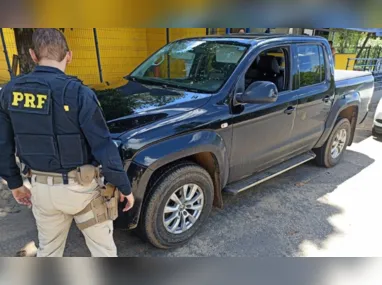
259,92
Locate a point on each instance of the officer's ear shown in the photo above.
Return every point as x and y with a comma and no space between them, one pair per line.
69,57
33,55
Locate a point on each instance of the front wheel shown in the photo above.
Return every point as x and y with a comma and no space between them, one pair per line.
333,150
177,206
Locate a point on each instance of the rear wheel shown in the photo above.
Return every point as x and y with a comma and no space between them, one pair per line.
333,150
177,206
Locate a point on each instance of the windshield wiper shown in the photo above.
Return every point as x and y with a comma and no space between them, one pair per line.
182,87
142,80
164,84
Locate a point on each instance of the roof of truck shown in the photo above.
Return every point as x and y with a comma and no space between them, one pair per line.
251,39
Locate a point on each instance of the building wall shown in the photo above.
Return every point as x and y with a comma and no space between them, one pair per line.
84,64
156,38
342,59
221,31
10,43
273,30
181,33
121,50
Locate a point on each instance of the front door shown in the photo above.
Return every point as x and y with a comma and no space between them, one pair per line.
262,132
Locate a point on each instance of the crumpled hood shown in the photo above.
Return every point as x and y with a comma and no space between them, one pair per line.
134,105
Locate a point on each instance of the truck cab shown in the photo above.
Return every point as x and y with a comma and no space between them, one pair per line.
212,114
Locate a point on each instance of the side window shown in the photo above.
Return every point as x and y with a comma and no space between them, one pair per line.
311,65
270,65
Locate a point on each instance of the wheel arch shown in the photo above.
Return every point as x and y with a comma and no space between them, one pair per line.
344,107
205,148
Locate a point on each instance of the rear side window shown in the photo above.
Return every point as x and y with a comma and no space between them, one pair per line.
311,64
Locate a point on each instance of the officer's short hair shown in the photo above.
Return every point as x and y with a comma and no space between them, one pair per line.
49,44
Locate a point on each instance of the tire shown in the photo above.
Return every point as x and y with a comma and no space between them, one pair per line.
171,181
324,154
374,132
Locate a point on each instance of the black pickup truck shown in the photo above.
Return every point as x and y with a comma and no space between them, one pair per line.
212,114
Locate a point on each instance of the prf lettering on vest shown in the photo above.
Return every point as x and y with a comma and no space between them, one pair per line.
29,100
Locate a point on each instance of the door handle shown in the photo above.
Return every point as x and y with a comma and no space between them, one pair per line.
289,110
326,99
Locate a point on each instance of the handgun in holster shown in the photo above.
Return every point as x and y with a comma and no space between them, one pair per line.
110,194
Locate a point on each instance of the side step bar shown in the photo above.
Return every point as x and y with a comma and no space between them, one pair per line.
269,173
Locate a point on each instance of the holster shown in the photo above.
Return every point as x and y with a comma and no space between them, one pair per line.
104,207
111,196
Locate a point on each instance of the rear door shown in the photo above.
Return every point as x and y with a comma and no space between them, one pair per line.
315,93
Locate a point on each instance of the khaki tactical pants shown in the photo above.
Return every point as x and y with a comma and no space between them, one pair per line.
54,207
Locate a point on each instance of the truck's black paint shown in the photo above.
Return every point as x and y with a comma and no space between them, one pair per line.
155,126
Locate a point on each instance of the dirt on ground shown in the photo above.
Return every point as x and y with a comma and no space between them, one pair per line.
307,211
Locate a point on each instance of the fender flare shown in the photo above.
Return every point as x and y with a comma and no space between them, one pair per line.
154,156
345,101
175,148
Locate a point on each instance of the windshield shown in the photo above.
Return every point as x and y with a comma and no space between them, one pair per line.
193,64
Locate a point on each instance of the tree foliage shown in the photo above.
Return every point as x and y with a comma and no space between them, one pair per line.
23,37
346,41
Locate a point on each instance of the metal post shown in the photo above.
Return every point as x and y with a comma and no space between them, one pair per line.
168,57
207,31
367,65
6,53
98,54
347,64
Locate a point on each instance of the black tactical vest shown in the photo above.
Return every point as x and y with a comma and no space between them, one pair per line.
44,112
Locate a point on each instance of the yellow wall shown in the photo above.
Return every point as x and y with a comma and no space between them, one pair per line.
121,50
156,38
84,64
221,31
10,42
342,59
181,33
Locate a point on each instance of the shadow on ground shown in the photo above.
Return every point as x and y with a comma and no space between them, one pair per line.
272,219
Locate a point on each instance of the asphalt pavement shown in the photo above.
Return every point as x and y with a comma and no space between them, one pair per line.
308,211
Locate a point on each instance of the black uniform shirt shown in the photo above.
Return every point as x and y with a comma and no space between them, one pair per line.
92,125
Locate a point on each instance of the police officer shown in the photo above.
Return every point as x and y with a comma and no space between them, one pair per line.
55,126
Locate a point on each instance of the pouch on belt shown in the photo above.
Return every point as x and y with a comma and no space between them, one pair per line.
86,173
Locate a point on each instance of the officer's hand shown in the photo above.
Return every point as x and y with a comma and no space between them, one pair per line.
129,203
22,195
